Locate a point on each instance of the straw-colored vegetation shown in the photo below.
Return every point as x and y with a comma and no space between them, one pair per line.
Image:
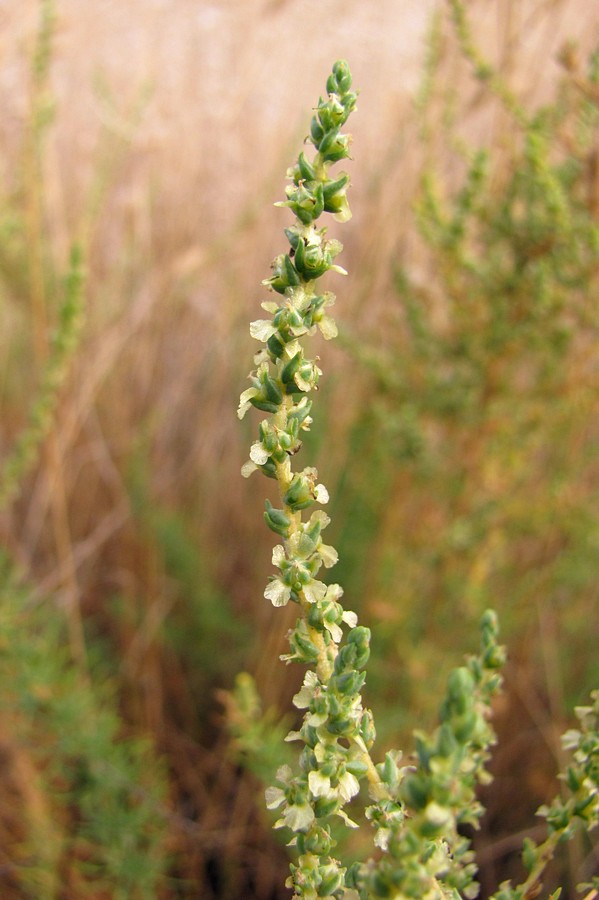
457,428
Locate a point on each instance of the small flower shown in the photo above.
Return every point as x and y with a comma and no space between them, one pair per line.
245,400
270,306
298,298
307,375
278,555
350,618
304,372
274,797
303,490
436,817
297,817
302,545
326,323
334,630
258,453
314,591
277,592
321,495
381,838
328,555
335,198
328,327
262,329
305,695
264,394
261,357
349,786
320,785
318,516
247,468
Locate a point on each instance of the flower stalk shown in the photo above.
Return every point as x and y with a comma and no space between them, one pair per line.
336,732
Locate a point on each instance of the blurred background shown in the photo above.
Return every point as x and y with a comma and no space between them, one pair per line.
457,429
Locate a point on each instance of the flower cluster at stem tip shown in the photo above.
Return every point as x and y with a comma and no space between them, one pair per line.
284,375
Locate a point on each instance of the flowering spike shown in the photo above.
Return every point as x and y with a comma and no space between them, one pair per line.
331,696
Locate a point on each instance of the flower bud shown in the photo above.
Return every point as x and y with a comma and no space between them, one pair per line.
465,725
306,651
367,729
435,820
460,689
276,345
357,767
312,260
489,622
359,637
332,84
558,817
269,469
271,389
290,368
297,577
335,199
494,657
301,411
349,683
306,200
276,519
268,437
315,617
345,659
446,743
306,377
264,405
302,492
342,76
287,441
284,274
334,147
329,138
319,706
332,114
325,806
389,770
306,169
572,779
415,791
341,726
331,880
316,131
317,841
